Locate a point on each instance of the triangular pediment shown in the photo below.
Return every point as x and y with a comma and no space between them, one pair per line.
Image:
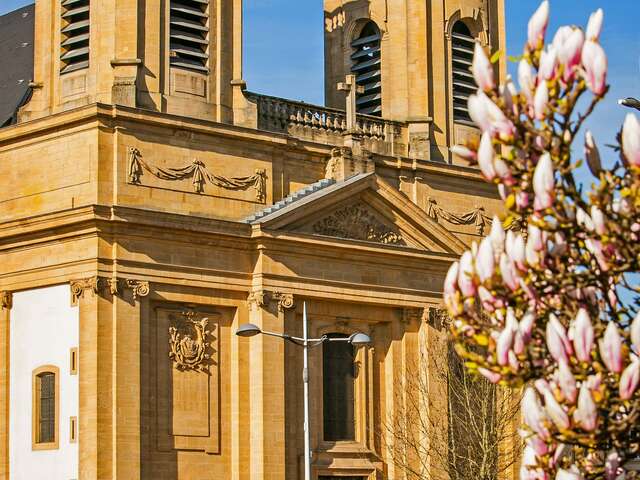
363,208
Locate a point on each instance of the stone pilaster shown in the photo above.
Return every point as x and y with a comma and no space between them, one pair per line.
6,302
267,386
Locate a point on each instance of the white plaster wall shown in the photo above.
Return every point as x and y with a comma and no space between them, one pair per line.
44,327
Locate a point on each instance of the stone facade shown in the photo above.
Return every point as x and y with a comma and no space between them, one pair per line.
153,205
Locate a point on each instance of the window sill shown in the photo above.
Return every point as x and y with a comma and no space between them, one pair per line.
45,446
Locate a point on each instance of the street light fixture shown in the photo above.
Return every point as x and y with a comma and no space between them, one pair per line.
630,102
357,339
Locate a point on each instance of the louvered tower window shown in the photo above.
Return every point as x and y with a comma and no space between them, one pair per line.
74,53
366,67
462,44
189,34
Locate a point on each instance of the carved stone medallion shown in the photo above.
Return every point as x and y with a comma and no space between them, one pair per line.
188,343
358,223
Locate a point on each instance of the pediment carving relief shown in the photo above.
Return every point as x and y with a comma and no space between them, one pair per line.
358,222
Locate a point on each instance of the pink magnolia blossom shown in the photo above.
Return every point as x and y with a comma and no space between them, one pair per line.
594,61
635,333
488,116
557,340
594,27
522,200
538,445
595,247
611,348
487,299
586,415
555,412
485,260
497,235
548,62
482,69
526,325
629,380
451,280
541,101
507,92
568,43
526,79
503,171
464,152
583,336
563,474
466,273
544,183
515,248
533,414
612,465
486,154
567,382
559,244
599,222
584,220
537,27
592,154
508,272
493,377
631,140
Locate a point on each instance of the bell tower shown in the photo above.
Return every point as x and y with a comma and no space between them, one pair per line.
412,57
170,56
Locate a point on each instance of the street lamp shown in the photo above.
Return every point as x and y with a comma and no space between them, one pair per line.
357,339
630,102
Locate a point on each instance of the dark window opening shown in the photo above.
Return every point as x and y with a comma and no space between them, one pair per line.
462,44
189,34
74,54
366,68
46,408
338,389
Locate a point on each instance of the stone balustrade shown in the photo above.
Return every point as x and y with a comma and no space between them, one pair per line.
325,125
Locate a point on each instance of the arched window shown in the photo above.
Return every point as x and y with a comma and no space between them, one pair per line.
45,405
189,34
366,67
462,43
338,389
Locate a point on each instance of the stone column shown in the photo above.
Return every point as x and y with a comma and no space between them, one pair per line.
5,308
267,387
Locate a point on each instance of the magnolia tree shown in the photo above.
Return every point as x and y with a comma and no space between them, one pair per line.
551,305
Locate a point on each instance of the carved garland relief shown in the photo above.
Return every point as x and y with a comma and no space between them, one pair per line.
198,173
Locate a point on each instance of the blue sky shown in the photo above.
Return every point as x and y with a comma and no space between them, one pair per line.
284,52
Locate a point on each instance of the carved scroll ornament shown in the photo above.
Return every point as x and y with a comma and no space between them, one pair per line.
6,300
199,174
189,351
358,223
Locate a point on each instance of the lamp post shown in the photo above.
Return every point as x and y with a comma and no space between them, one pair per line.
357,339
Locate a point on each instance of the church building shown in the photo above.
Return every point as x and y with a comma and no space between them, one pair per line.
151,203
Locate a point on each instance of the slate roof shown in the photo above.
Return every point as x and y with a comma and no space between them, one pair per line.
16,61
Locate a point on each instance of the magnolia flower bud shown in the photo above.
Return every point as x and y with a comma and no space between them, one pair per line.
478,112
508,272
541,101
594,61
586,415
559,244
557,340
485,260
503,345
569,42
532,413
482,69
567,382
464,152
526,324
548,61
555,412
598,219
563,474
515,249
537,27
584,220
611,348
594,27
629,380
486,154
493,377
538,445
465,275
635,333
611,466
497,235
544,183
507,92
525,78
451,280
631,140
592,154
583,336
503,171
595,247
